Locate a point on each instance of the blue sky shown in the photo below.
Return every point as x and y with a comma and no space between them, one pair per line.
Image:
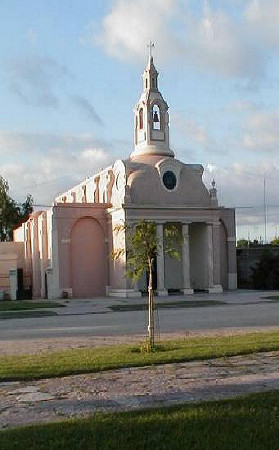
70,76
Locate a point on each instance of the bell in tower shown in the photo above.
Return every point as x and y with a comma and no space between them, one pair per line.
156,117
151,116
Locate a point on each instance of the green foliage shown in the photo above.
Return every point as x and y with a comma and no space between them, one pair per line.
11,214
275,241
143,244
172,241
266,273
145,346
243,243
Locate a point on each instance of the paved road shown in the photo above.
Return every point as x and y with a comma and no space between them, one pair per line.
93,317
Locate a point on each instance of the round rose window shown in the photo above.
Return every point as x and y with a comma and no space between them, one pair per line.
169,180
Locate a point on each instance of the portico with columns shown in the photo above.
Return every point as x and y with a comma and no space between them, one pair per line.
77,235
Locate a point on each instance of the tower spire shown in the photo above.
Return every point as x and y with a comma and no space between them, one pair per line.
151,115
150,74
150,45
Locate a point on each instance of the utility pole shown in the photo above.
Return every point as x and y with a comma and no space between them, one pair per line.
265,209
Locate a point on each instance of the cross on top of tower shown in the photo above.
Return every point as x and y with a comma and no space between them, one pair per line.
151,45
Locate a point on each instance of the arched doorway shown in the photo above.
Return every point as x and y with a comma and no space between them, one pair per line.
88,258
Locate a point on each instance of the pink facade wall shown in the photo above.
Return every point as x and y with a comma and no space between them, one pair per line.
88,258
82,248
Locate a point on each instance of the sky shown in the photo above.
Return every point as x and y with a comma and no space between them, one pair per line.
70,74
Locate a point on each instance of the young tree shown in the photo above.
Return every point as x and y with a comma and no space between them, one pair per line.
142,246
11,214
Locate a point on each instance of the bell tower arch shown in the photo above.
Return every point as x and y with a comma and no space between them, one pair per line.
151,117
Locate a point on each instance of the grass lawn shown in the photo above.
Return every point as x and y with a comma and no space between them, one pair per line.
246,423
74,361
272,297
21,309
25,314
166,305
19,305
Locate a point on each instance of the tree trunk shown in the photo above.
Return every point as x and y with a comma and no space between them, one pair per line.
150,309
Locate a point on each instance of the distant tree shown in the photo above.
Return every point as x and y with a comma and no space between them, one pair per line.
142,246
266,273
243,243
11,214
275,241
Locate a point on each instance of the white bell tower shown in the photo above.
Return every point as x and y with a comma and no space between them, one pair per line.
151,116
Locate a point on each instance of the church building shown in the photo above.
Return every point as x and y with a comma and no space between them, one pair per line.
67,248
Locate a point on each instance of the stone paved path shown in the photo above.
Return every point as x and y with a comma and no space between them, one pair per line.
126,389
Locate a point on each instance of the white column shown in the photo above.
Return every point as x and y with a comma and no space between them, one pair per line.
13,284
161,291
54,278
186,260
216,255
211,287
36,264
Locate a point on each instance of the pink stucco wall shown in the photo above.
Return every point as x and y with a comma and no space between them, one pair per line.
81,240
88,258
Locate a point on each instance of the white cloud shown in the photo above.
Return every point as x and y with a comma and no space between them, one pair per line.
191,129
211,40
63,161
242,186
197,135
242,106
262,18
261,132
32,144
131,24
216,42
211,168
93,155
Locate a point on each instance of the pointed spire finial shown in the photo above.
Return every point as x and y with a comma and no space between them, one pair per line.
213,194
151,45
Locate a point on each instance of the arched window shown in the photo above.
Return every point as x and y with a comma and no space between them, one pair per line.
141,119
156,117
